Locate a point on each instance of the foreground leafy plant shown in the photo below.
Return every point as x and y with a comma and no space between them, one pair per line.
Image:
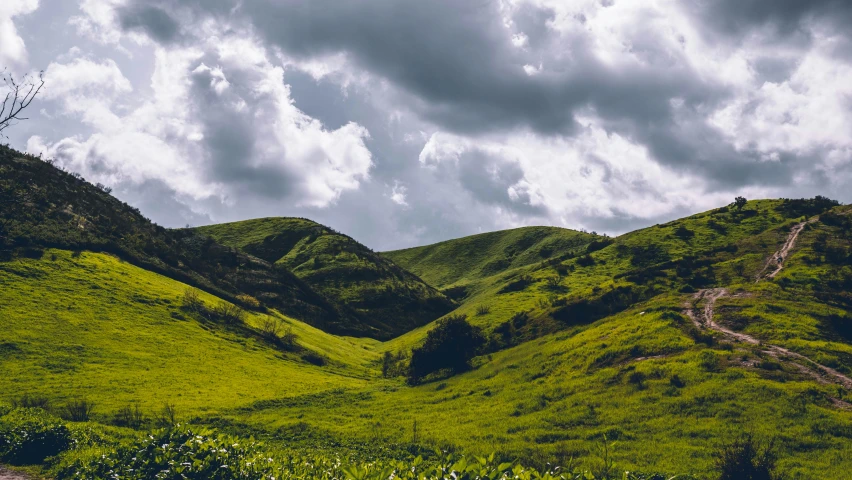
29,436
188,453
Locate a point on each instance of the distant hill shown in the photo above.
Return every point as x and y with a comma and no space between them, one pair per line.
387,299
463,260
45,207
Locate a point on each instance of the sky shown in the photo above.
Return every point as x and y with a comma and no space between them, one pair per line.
403,123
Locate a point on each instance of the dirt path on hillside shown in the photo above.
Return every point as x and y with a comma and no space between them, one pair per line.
781,255
8,475
705,319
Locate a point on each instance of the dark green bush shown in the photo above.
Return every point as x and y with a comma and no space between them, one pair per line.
450,345
746,459
314,359
28,436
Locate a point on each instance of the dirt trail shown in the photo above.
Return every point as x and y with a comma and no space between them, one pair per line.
8,475
781,255
705,318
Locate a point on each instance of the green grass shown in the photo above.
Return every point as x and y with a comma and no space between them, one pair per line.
93,326
386,299
114,333
464,260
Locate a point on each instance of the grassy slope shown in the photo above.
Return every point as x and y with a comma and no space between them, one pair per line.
464,260
43,206
559,394
755,235
114,333
555,395
388,300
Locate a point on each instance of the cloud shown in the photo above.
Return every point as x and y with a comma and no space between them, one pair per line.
605,115
397,195
152,20
13,51
84,77
227,131
649,72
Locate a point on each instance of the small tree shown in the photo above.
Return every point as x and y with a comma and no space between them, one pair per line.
740,202
167,416
18,95
288,338
393,365
192,300
79,410
229,313
450,345
746,459
270,327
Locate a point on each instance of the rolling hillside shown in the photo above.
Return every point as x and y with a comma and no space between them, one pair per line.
671,340
467,259
44,207
387,299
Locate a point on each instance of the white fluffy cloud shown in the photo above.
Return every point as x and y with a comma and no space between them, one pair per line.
13,51
594,175
223,131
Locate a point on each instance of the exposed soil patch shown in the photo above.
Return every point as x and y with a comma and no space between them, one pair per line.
9,475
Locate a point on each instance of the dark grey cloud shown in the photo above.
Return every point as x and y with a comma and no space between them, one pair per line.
781,18
153,20
231,133
488,179
455,64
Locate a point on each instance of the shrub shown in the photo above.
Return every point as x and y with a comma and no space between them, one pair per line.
28,436
746,459
167,416
248,301
192,300
586,261
450,345
288,338
596,245
32,401
78,410
314,359
517,285
270,328
393,365
129,416
198,454
229,313
483,310
637,379
709,361
684,233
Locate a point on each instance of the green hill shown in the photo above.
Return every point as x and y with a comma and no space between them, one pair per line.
45,207
467,259
671,340
387,299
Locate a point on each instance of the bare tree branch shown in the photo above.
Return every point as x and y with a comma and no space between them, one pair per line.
19,96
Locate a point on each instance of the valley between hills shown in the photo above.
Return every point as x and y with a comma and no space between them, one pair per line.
279,347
